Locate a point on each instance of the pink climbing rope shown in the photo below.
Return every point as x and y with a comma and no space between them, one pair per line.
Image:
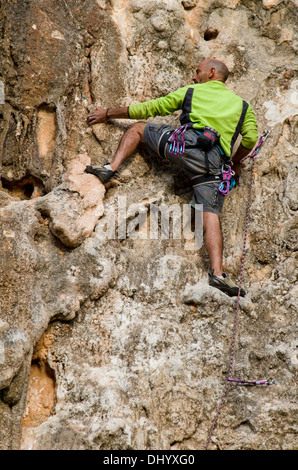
229,379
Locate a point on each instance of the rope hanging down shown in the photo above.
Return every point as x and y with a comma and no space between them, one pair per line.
229,379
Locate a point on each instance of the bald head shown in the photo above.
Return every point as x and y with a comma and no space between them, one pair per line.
211,69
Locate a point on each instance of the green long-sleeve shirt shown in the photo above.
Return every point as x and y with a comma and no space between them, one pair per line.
209,104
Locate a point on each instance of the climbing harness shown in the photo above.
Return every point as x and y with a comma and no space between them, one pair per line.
207,138
229,380
226,180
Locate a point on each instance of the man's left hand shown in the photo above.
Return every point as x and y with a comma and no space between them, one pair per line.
97,116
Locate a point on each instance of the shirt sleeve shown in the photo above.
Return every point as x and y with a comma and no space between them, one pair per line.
158,107
249,130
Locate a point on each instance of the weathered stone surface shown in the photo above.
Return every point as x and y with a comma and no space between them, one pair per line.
75,206
127,344
189,3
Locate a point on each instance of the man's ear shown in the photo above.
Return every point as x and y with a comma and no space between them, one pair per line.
211,72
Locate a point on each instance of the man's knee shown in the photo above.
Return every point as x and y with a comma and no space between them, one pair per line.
211,221
138,127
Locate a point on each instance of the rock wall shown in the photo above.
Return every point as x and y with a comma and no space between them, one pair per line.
118,342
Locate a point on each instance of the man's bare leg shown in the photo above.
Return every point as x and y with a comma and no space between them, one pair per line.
128,144
213,241
214,246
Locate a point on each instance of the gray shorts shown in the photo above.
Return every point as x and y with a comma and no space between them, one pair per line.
192,162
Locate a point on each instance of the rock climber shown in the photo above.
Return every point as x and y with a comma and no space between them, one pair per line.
212,118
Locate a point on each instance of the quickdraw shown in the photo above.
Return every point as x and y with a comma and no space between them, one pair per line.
227,180
255,382
262,139
177,144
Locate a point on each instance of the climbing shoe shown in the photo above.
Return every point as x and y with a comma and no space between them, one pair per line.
225,284
103,172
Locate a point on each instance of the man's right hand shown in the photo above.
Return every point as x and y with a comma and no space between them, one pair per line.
97,116
238,167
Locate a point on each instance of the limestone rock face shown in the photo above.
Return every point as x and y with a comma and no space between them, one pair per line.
111,338
75,206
